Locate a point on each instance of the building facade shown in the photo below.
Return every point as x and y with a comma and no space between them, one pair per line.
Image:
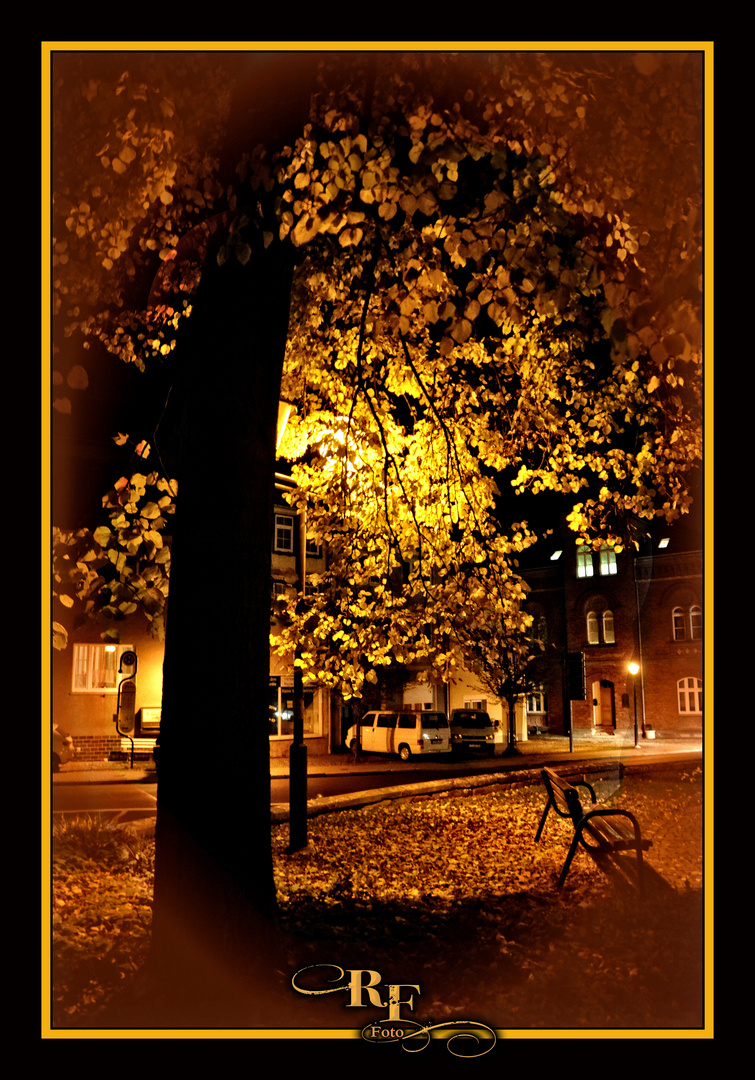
600,612
594,612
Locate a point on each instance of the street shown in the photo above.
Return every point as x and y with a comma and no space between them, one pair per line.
129,797
126,797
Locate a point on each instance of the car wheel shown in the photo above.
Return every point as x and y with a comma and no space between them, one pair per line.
404,752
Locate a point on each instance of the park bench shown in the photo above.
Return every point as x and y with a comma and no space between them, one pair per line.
601,831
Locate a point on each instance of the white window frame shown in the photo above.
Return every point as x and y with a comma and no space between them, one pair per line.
687,623
283,534
90,661
474,703
584,562
600,627
537,701
690,696
607,561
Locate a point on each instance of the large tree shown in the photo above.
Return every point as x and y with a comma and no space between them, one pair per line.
477,271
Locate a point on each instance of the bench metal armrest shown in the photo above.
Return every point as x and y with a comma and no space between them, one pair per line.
590,788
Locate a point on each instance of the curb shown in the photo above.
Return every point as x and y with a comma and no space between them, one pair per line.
279,813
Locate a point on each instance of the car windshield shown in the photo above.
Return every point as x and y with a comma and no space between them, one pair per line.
472,720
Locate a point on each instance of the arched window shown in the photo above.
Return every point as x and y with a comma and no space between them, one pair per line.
538,629
687,622
584,562
600,629
690,694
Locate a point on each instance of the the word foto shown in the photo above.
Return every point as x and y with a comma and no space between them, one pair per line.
363,982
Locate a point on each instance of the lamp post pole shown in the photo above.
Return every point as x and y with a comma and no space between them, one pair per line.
297,778
297,797
634,669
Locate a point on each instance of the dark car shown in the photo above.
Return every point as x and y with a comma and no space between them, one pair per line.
472,729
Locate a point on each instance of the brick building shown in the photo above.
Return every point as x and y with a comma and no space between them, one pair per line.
601,611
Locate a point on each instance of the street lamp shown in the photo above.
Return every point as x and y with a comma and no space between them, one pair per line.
634,669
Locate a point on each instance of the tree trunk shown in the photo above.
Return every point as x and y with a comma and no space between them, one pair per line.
512,750
214,940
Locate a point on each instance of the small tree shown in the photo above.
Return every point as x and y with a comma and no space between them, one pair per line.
509,665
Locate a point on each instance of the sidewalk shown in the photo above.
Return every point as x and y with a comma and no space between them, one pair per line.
533,753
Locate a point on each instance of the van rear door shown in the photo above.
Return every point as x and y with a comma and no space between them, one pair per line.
435,728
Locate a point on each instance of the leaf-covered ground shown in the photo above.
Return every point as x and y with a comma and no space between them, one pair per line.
449,893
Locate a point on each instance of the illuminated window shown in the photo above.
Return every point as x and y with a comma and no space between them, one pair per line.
536,700
593,631
690,693
608,634
607,560
584,562
95,668
696,621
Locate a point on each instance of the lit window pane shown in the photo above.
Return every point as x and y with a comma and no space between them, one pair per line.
607,561
584,563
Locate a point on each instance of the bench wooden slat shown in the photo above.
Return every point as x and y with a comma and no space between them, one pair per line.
610,829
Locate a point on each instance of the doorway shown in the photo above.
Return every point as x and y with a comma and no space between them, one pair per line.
603,704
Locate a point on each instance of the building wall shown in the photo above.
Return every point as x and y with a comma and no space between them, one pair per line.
665,584
89,715
641,596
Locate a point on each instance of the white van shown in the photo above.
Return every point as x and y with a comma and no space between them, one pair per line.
402,733
472,729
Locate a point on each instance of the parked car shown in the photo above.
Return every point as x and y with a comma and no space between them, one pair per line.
402,733
472,729
63,749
